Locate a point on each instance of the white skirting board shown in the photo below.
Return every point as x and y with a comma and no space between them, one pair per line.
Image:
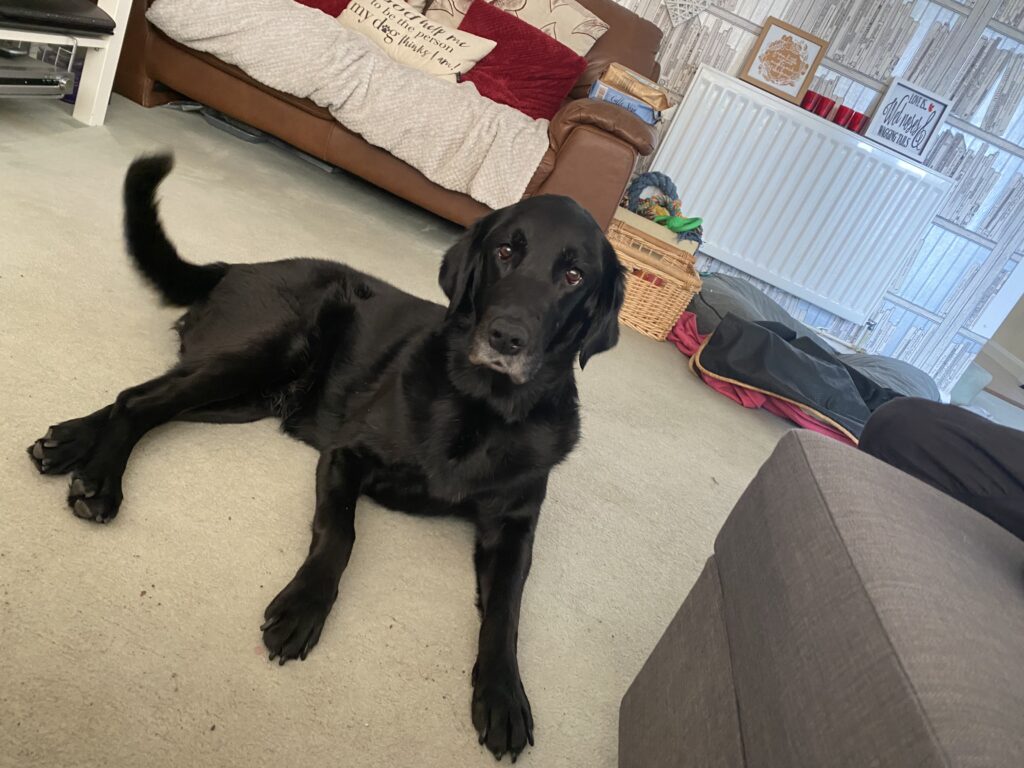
1006,359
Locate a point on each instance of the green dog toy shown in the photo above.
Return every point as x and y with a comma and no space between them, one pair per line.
678,224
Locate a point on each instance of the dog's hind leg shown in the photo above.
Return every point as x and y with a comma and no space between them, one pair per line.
96,448
242,410
68,444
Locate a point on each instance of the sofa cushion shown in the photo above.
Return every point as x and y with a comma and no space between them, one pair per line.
527,69
412,39
171,58
330,7
486,150
566,21
872,620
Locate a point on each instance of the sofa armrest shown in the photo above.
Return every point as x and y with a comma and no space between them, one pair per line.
594,147
612,119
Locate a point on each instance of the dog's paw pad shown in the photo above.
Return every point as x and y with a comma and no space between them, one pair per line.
97,510
80,488
96,501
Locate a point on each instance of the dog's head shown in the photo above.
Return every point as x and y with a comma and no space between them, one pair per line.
534,280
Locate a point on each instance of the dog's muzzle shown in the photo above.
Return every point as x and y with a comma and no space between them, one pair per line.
516,366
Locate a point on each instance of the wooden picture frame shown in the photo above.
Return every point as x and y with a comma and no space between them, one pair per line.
781,54
907,119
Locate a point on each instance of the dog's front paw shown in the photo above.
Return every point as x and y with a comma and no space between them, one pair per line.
295,618
501,711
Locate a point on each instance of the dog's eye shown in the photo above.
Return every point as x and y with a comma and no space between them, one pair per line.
573,276
504,252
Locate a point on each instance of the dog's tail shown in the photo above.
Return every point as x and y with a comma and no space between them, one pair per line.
178,281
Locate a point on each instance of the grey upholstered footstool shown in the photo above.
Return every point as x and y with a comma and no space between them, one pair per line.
851,616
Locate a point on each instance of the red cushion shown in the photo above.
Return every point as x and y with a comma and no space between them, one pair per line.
527,69
330,7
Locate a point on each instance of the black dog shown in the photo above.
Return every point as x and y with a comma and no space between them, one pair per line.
459,411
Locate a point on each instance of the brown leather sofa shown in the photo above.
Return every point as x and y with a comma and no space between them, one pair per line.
594,145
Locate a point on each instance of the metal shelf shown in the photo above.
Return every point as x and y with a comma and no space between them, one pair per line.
50,38
100,64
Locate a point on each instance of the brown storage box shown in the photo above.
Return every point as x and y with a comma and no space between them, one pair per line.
626,80
660,276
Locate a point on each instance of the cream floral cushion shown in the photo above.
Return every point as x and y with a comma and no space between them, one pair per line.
565,20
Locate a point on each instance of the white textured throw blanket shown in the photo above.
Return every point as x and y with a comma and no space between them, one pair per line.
450,133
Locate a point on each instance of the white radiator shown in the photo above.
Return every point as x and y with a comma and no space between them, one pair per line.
793,199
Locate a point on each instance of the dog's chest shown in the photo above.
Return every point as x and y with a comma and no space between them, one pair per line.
404,487
450,471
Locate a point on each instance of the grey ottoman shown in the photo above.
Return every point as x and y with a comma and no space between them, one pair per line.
850,616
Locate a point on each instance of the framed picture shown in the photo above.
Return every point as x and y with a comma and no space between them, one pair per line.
783,60
907,119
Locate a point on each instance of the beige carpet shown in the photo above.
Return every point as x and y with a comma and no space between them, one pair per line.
136,644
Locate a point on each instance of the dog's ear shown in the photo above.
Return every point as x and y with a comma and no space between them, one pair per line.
461,264
603,332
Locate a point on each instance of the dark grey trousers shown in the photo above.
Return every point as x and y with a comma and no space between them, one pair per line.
960,453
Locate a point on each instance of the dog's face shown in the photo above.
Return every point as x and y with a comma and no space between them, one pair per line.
531,280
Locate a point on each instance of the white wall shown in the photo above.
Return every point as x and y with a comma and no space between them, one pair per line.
1010,335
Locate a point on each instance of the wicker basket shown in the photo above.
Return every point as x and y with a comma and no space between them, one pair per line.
660,278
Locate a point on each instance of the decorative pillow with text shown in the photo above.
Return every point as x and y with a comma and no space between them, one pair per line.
412,39
565,20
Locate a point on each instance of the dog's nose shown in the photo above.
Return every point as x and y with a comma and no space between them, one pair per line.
507,336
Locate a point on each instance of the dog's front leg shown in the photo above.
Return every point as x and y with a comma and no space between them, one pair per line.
295,618
501,710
